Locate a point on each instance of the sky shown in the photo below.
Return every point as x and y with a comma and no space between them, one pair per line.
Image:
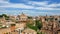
30,7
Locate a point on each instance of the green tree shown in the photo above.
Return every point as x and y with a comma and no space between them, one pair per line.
38,24
29,17
6,17
37,27
7,33
31,26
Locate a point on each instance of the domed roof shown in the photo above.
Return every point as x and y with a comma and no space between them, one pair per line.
22,14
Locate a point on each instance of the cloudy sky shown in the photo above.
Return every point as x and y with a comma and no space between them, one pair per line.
30,7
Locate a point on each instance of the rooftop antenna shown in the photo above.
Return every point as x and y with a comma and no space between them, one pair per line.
46,14
22,13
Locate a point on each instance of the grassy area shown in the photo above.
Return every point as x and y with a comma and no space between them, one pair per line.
32,27
0,26
37,27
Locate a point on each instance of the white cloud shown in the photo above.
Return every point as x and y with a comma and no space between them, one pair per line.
44,5
4,1
46,8
38,3
53,5
18,6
